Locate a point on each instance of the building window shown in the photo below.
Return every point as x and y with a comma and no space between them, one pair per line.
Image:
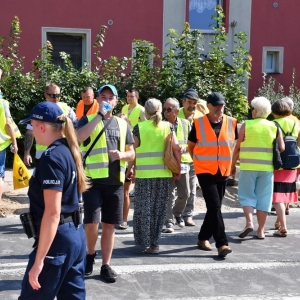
142,51
272,60
74,41
200,13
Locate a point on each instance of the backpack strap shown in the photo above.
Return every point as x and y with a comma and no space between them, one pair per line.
293,128
278,126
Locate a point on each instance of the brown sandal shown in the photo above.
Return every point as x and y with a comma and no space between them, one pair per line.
282,232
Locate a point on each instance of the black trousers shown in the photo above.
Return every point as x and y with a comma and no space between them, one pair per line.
213,189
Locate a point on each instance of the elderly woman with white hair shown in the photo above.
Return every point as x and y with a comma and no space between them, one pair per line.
254,147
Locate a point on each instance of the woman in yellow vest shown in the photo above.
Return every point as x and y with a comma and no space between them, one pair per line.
254,147
284,180
153,178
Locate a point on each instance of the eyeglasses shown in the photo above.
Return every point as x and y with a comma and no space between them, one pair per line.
169,109
54,95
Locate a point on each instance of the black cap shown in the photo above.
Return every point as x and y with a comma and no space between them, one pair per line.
191,96
215,99
191,90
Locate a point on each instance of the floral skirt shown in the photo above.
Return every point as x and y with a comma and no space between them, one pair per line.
150,207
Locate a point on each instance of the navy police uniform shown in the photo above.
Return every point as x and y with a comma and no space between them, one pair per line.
63,272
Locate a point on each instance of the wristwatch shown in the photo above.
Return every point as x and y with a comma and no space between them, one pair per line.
100,114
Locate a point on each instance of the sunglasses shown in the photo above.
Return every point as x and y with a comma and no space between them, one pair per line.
54,95
169,109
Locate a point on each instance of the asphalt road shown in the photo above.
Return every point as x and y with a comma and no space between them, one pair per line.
257,269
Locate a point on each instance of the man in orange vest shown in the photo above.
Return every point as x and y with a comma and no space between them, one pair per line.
88,105
211,143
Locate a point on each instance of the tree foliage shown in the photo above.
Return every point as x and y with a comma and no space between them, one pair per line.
184,65
273,90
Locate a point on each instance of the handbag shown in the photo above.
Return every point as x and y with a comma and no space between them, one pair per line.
169,158
21,175
277,161
95,141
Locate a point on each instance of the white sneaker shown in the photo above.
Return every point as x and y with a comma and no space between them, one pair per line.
123,225
169,228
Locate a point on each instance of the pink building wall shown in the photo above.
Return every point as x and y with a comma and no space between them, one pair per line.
278,27
131,20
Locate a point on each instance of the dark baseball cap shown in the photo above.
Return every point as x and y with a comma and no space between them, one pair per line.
191,90
46,112
191,96
215,99
108,86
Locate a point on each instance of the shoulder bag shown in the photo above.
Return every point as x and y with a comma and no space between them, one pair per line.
169,158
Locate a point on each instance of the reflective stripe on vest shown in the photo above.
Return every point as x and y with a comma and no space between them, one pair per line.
212,153
256,151
97,162
149,155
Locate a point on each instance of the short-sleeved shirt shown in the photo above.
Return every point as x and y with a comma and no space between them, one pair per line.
216,128
112,133
56,171
6,109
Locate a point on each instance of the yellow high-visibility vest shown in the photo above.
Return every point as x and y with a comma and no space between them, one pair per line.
150,153
256,153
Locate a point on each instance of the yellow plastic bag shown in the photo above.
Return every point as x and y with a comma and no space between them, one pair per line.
21,175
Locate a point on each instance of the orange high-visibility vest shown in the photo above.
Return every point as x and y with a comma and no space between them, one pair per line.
92,110
212,153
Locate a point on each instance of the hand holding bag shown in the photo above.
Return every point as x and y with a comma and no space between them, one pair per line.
21,175
169,158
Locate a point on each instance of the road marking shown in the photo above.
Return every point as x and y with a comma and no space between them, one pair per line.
10,268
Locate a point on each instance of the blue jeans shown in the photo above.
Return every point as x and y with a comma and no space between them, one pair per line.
2,162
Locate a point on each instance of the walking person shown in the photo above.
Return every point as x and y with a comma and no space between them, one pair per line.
176,205
153,178
190,112
52,94
56,265
127,184
9,132
105,166
87,105
255,150
284,180
133,110
211,142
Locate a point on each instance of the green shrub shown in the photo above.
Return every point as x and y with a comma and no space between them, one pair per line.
184,65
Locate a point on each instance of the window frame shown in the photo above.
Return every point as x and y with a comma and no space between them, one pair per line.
86,39
278,55
208,31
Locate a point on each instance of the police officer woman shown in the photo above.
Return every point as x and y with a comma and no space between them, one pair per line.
56,265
